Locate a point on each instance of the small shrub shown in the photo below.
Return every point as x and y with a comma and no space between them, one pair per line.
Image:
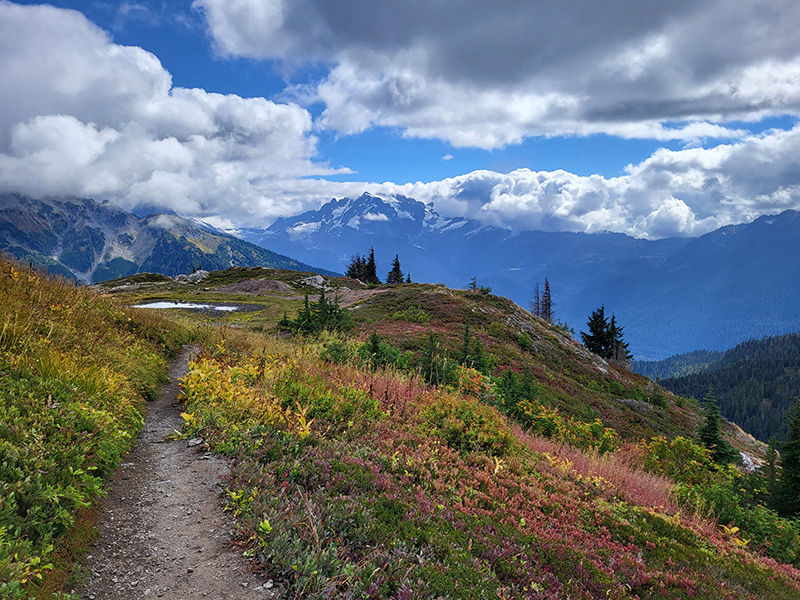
468,426
413,314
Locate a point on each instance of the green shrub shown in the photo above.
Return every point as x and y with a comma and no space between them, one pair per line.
468,426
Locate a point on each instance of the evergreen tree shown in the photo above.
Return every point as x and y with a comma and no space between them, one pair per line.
370,272
395,275
604,337
598,339
619,348
789,482
408,277
362,268
355,269
710,432
536,302
771,471
547,303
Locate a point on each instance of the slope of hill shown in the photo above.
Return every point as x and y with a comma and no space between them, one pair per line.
410,456
75,372
756,383
89,241
679,365
636,279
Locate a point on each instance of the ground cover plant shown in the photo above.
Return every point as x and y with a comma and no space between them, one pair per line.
352,481
75,370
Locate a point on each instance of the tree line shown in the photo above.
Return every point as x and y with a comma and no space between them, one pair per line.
365,270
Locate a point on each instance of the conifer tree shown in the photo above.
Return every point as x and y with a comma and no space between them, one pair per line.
597,339
370,272
604,338
355,269
710,432
408,277
789,482
395,275
536,302
546,307
770,470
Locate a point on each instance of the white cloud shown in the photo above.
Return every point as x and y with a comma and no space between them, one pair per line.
479,75
81,115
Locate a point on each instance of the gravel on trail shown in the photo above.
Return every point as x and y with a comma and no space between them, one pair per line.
163,533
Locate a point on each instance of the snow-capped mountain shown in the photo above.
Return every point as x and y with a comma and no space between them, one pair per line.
672,295
92,241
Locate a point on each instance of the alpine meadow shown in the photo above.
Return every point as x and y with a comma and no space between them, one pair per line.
454,300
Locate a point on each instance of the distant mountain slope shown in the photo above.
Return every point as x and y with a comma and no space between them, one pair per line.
679,365
756,383
672,295
90,241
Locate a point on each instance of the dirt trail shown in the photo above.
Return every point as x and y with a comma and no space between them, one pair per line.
162,531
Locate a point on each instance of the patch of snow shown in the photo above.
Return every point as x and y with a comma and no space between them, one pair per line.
302,229
354,222
370,216
453,226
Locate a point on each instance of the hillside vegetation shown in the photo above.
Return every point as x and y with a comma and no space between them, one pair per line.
423,442
75,371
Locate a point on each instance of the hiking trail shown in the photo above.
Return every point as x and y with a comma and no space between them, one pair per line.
163,533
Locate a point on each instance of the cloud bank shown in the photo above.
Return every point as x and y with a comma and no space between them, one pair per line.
81,115
486,75
84,116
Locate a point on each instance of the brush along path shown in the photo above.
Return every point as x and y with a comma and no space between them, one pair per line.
162,530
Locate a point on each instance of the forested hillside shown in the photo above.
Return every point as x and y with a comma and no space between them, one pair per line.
679,365
756,384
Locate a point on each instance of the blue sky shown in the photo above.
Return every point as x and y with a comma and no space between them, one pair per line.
649,120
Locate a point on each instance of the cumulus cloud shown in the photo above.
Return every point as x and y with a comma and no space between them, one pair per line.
672,193
478,75
81,115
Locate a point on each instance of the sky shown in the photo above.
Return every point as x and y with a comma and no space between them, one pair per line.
650,119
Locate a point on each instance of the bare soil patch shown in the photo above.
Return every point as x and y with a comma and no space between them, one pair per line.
162,530
255,286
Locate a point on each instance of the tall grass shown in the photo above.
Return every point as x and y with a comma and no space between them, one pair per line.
75,370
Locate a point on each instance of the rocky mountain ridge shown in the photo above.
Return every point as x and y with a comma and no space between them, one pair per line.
91,241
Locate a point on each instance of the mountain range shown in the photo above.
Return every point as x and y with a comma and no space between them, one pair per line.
90,241
672,295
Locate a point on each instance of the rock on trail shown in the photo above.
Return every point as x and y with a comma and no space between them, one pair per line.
162,530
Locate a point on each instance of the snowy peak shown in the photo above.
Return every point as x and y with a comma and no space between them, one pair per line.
395,216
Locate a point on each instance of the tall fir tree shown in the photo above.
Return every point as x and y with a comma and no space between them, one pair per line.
395,275
355,269
710,432
789,482
546,307
370,271
604,338
770,471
